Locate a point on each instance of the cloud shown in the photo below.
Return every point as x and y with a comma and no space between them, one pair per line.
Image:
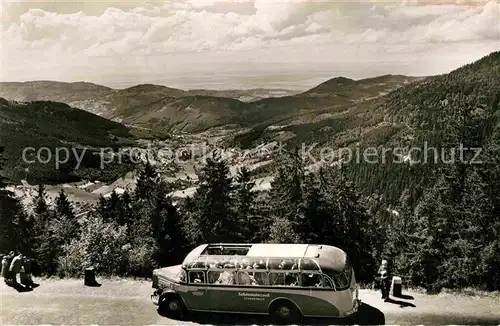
190,27
62,34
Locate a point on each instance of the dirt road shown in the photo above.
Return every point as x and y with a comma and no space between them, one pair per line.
127,302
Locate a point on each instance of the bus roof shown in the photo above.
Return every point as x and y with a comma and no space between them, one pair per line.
329,258
282,250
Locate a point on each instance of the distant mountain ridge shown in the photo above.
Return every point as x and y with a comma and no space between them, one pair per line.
165,108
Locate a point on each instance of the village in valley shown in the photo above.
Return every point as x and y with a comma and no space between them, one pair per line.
177,159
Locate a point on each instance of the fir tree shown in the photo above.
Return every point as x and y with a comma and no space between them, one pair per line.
41,206
211,219
146,182
167,232
287,191
11,215
281,231
249,223
431,237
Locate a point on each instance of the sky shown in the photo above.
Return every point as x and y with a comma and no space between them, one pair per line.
240,43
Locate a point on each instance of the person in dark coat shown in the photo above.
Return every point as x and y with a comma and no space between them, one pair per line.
7,259
25,274
15,267
5,268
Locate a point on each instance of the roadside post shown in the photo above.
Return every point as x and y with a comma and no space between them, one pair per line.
90,277
396,286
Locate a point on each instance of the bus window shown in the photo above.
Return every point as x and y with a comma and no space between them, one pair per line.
226,277
246,278
292,279
341,281
277,278
311,280
199,263
307,264
261,278
196,277
213,276
181,276
327,283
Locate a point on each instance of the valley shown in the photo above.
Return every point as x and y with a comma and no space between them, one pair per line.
176,130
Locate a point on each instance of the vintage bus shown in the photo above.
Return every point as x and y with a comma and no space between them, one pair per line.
287,281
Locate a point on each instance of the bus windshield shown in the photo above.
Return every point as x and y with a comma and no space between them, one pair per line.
342,280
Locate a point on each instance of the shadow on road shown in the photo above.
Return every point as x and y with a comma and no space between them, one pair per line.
367,315
19,287
405,297
402,304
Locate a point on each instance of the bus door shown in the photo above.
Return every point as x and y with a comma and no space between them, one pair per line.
238,291
222,289
197,295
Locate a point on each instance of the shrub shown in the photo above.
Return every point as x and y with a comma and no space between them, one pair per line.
140,257
101,245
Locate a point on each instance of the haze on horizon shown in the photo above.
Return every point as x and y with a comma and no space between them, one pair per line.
240,43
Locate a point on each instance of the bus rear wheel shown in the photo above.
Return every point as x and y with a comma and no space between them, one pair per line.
285,312
172,306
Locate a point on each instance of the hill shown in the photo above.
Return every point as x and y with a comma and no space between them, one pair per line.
440,111
121,104
55,125
335,112
153,106
52,91
188,114
443,112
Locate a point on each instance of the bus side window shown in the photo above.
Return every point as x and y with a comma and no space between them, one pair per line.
292,279
312,280
226,277
246,278
197,277
213,276
277,278
327,283
341,281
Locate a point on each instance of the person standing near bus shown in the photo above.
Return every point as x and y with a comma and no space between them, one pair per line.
25,274
15,267
5,268
384,280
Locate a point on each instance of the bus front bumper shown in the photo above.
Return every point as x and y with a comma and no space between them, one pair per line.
155,297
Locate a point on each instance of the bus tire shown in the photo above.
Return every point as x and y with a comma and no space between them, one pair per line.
284,311
172,305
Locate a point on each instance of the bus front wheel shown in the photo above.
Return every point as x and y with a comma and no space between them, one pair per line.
172,306
284,311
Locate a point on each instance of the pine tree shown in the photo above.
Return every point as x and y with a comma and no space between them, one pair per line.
281,231
62,228
146,182
248,221
112,208
433,216
11,215
336,216
127,206
287,191
211,219
166,226
41,206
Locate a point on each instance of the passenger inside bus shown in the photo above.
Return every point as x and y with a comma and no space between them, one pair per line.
196,277
312,280
227,277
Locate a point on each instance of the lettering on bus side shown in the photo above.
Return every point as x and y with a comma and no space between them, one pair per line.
254,295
